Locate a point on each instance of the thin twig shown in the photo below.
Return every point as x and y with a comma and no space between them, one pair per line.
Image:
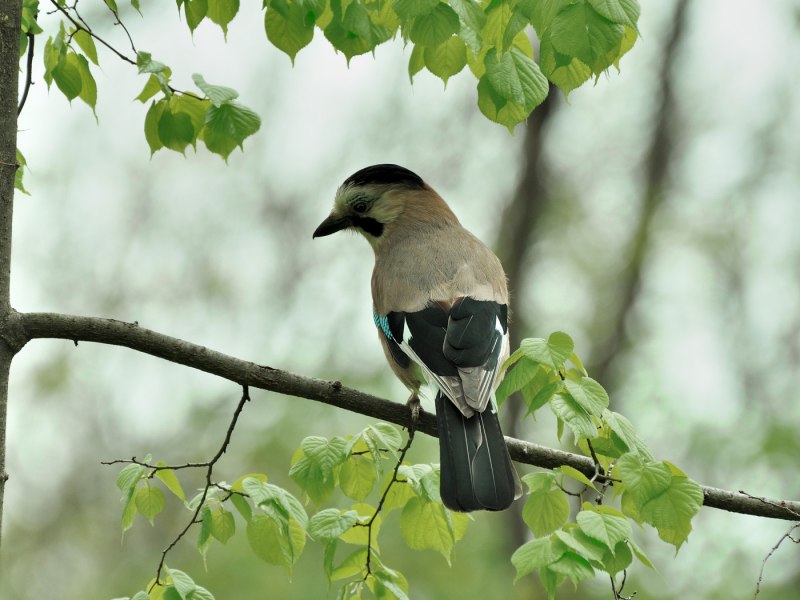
209,484
378,509
28,73
78,25
785,536
125,29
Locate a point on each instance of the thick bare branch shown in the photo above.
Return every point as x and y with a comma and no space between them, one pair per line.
242,372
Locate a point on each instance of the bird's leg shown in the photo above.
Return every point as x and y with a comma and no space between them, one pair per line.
413,404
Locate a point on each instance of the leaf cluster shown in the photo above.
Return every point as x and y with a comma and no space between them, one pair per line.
599,537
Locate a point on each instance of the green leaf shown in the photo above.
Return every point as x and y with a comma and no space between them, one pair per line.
268,494
67,76
314,469
435,27
218,94
88,86
618,11
271,539
565,71
543,13
151,121
578,31
496,108
149,501
222,12
574,567
129,513
643,479
472,20
155,83
128,477
288,27
397,497
86,43
169,479
146,64
639,553
545,510
330,523
589,394
408,9
671,511
534,555
568,410
175,130
195,11
582,544
573,473
222,524
353,564
624,430
416,61
618,560
516,78
357,477
425,526
19,172
242,505
112,5
227,127
604,524
522,373
447,59
359,535
183,584
140,596
551,352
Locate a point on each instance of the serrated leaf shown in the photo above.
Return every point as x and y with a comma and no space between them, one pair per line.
227,127
543,13
671,511
534,555
589,394
88,85
264,494
386,436
435,27
146,64
604,525
551,352
357,477
567,72
472,21
643,479
330,523
425,526
389,585
223,527
545,511
129,513
183,584
538,482
86,43
175,130
416,61
288,28
582,544
497,109
397,497
270,540
360,535
242,505
624,429
149,501
573,415
168,478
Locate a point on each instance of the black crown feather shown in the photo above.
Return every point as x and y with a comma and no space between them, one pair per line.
385,175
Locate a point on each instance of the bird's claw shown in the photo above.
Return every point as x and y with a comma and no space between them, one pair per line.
413,405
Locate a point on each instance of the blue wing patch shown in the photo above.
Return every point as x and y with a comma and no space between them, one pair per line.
382,323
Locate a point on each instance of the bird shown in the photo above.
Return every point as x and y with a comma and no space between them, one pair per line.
440,306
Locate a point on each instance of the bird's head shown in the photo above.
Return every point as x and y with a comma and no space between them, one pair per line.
372,200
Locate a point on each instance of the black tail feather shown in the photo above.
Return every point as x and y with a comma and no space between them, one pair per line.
476,470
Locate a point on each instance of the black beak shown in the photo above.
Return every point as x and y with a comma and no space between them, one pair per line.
331,225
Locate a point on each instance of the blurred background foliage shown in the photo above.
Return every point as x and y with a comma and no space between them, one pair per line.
653,216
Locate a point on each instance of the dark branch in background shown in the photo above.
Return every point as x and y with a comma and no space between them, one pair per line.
23,327
658,158
209,466
514,246
28,73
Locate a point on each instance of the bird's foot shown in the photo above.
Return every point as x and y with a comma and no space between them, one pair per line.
415,408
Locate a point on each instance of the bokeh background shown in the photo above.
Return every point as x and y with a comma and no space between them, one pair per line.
654,216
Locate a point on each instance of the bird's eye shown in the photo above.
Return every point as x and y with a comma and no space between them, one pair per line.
360,206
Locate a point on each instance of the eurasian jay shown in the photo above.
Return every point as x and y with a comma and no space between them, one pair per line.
440,304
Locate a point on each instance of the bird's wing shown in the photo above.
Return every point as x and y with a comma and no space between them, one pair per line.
458,346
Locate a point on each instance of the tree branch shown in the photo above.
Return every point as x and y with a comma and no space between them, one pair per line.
131,335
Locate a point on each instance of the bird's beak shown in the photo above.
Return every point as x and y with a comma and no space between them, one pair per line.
331,225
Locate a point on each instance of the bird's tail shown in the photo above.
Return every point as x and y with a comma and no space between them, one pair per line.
476,470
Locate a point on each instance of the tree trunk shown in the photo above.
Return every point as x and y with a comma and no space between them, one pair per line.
10,11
